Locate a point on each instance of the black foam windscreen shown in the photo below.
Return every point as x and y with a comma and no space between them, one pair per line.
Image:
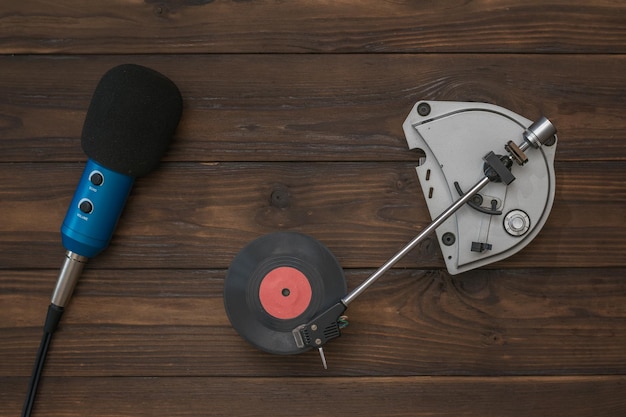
131,119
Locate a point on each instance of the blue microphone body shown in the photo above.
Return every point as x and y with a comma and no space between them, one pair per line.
95,209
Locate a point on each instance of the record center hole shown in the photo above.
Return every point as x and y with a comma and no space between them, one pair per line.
285,292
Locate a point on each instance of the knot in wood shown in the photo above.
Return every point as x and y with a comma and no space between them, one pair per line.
280,197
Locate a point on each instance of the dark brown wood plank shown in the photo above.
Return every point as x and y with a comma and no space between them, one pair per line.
318,107
206,26
201,215
411,322
415,396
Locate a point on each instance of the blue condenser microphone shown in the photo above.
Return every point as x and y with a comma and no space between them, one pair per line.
129,124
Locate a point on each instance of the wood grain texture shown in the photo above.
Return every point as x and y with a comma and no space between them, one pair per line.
201,215
315,107
370,26
318,397
308,98
414,322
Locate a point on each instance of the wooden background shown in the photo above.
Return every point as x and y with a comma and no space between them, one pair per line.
308,97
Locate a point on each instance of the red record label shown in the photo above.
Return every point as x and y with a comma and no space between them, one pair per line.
278,282
285,293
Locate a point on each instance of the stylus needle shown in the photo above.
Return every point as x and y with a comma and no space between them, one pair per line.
323,357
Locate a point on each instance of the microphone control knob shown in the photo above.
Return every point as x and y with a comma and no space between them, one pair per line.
96,178
85,206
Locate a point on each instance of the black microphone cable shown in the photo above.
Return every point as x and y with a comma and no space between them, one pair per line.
52,321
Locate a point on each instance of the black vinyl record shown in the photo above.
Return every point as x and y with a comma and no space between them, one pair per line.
278,282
